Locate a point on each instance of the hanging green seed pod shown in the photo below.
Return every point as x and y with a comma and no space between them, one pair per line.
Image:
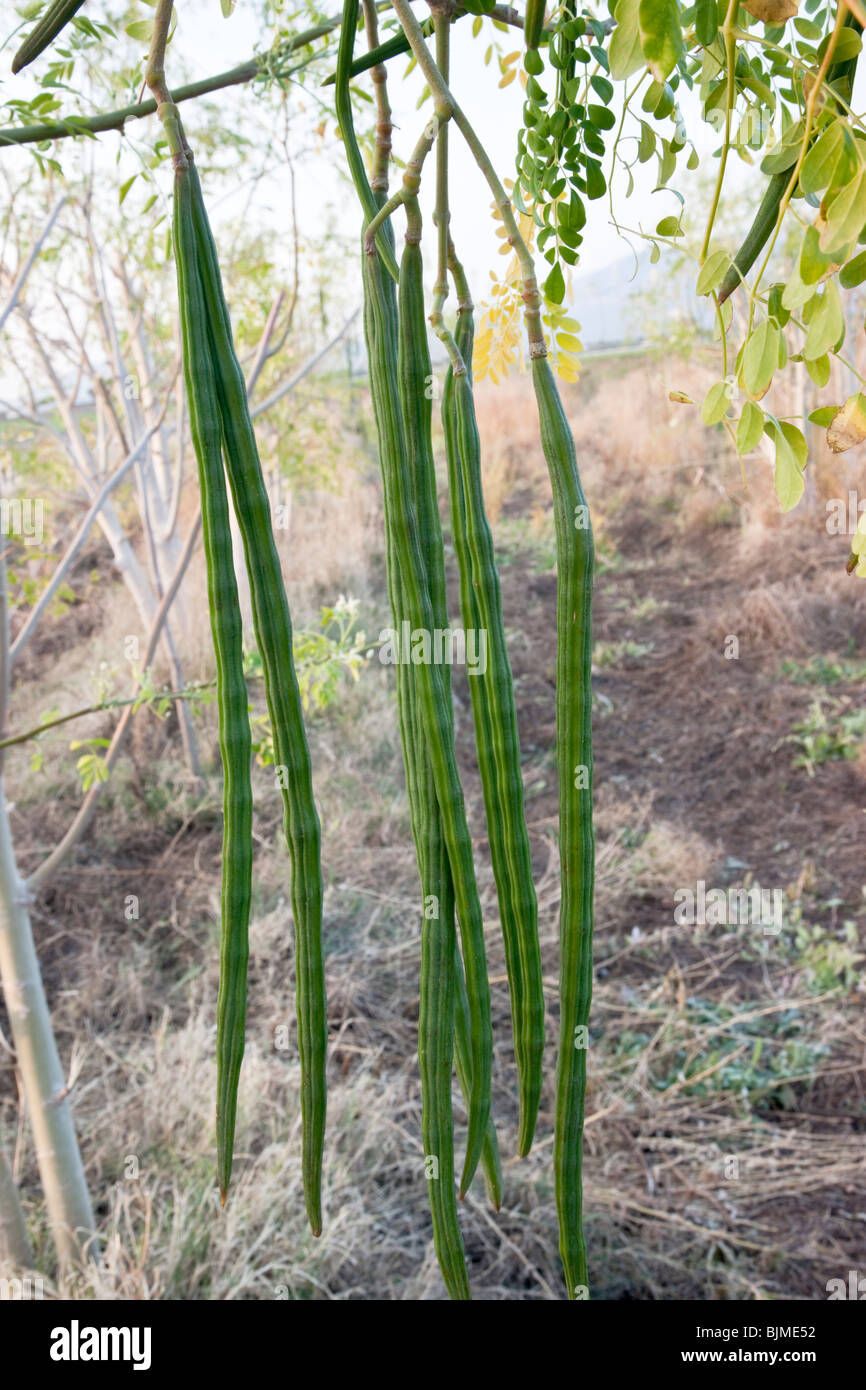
274,637
343,105
534,23
842,76
574,574
415,371
496,735
415,377
439,953
414,602
55,18
433,702
232,698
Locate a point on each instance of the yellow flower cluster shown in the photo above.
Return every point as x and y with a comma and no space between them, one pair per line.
499,341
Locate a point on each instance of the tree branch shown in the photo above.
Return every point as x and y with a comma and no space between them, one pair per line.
29,263
78,541
74,126
42,875
291,382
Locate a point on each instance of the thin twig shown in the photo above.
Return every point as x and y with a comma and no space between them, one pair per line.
444,103
77,542
31,260
42,875
291,382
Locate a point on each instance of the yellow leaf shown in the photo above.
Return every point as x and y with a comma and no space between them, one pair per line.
771,11
848,426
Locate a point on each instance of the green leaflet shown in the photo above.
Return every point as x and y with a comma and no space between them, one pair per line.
574,551
790,460
712,272
661,36
274,638
845,216
750,428
625,53
56,17
854,273
761,357
820,163
827,323
232,698
496,736
779,163
716,402
813,264
706,21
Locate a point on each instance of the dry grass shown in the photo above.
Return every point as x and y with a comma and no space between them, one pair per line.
711,1172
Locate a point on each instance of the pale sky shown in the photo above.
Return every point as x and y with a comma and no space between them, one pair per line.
206,43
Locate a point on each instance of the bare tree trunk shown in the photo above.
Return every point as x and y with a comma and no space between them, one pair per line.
60,1167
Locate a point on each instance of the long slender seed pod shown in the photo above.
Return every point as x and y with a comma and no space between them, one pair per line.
574,561
436,1028
534,24
490,1157
55,18
273,629
391,48
439,953
232,698
757,236
491,1162
435,712
763,225
414,601
415,373
438,934
496,734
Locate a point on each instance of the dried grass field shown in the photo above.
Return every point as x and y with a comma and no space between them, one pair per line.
725,1150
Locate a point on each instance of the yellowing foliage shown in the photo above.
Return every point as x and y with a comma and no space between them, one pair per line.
499,337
